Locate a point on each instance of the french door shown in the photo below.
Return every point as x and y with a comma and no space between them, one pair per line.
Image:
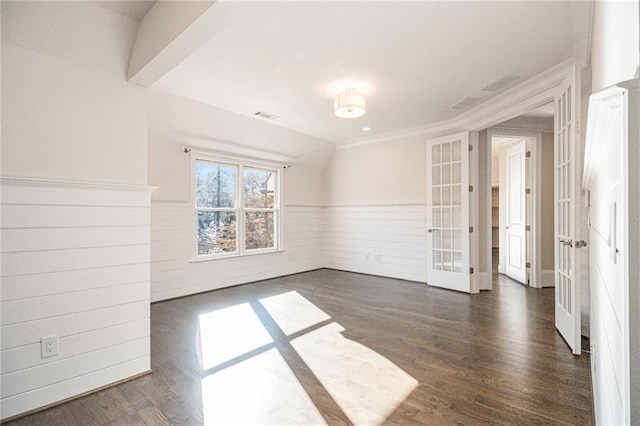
448,213
567,191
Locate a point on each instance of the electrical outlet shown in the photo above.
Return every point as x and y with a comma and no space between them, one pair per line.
49,346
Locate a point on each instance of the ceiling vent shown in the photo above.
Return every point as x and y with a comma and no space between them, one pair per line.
465,103
500,83
266,115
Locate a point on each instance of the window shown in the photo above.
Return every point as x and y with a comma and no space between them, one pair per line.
237,207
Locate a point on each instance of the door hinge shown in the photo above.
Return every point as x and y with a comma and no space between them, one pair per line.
471,229
471,270
470,147
527,191
527,265
527,228
528,154
470,188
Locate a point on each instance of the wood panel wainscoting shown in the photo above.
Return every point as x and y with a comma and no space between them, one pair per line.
333,347
75,268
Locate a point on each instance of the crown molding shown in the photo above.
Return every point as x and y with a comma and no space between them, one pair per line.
524,97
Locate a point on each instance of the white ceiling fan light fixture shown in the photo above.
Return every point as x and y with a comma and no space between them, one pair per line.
349,104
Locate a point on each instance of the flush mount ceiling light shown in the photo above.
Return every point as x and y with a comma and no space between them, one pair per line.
349,104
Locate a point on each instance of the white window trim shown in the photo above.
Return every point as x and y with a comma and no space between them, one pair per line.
240,165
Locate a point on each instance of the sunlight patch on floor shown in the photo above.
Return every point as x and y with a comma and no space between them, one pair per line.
260,390
260,387
367,386
292,312
229,333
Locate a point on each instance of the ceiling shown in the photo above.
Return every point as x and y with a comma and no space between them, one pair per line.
132,9
412,60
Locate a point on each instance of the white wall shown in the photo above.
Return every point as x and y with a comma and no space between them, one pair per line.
615,43
390,173
68,112
176,122
75,254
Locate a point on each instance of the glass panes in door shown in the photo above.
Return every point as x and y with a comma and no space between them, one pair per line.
446,191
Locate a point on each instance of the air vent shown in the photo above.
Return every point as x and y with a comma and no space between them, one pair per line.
465,103
500,83
266,115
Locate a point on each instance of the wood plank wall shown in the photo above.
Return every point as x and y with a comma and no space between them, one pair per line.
389,241
174,273
75,263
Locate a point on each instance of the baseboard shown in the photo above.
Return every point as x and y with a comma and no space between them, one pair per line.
548,278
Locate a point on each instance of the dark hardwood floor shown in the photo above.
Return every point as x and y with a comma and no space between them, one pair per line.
492,358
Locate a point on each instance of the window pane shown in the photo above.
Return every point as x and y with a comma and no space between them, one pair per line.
456,172
436,196
457,239
259,188
456,150
446,261
435,173
457,217
435,154
457,195
259,230
446,173
446,218
446,239
457,262
216,232
215,185
446,195
437,240
436,218
437,260
446,152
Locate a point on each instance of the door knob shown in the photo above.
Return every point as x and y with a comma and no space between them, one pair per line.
581,243
430,230
507,227
566,242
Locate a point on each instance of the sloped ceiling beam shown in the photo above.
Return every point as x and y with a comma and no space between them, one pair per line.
169,33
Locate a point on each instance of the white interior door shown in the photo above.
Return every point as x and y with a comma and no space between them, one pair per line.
567,190
448,242
516,214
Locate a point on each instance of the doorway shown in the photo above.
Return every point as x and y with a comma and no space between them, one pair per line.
511,205
521,163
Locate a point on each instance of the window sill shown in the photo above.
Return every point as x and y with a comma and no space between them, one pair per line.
234,255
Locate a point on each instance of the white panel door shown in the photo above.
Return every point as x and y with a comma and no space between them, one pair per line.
516,214
448,243
567,191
